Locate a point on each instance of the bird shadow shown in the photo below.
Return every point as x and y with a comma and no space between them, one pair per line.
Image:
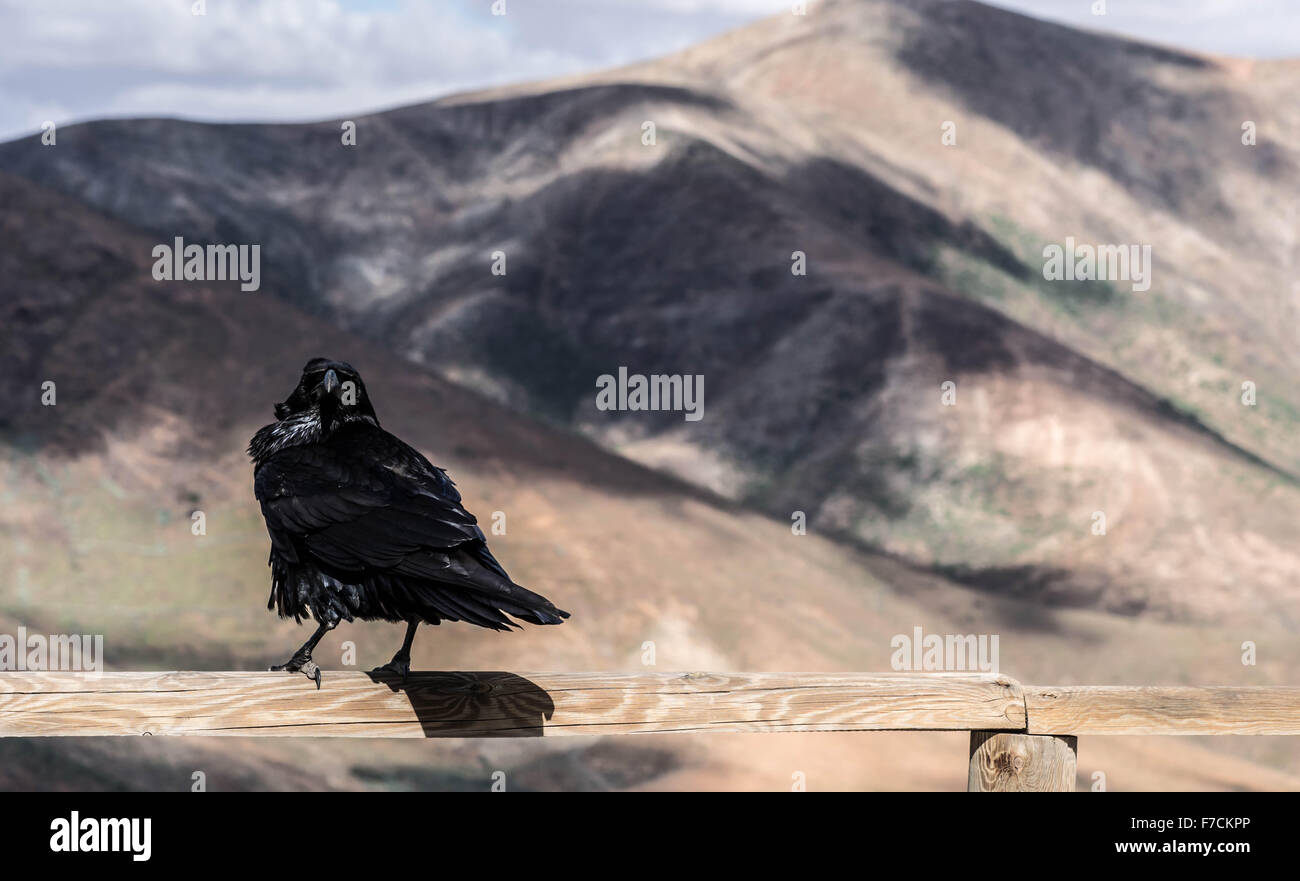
459,704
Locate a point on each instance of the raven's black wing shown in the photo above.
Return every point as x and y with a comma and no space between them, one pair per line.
368,509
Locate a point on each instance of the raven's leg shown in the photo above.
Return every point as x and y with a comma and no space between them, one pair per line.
401,662
301,660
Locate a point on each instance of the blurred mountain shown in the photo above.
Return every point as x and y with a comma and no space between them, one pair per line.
819,134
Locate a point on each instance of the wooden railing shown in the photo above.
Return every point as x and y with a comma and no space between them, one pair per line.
1022,737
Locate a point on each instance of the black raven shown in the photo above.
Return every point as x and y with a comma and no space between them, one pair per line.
362,526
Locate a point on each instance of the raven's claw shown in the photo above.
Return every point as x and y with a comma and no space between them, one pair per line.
398,665
301,663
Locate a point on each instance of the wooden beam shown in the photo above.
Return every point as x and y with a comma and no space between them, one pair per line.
535,704
1116,709
1001,761
355,704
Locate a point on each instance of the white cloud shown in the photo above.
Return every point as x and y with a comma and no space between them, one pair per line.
1248,28
295,59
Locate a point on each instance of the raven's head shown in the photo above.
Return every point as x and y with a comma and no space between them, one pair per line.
333,386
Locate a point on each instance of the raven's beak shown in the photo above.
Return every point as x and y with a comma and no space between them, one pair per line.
331,382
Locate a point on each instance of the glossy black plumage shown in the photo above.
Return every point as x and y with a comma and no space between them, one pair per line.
363,526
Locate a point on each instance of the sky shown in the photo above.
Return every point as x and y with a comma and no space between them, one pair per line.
292,60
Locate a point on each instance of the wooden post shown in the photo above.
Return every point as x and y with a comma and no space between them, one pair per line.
1002,761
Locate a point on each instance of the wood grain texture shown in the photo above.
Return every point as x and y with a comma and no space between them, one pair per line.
1001,761
499,704
1107,709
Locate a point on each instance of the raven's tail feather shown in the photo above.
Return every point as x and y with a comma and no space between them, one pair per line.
488,583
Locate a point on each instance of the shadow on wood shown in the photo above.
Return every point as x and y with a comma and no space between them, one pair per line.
459,704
